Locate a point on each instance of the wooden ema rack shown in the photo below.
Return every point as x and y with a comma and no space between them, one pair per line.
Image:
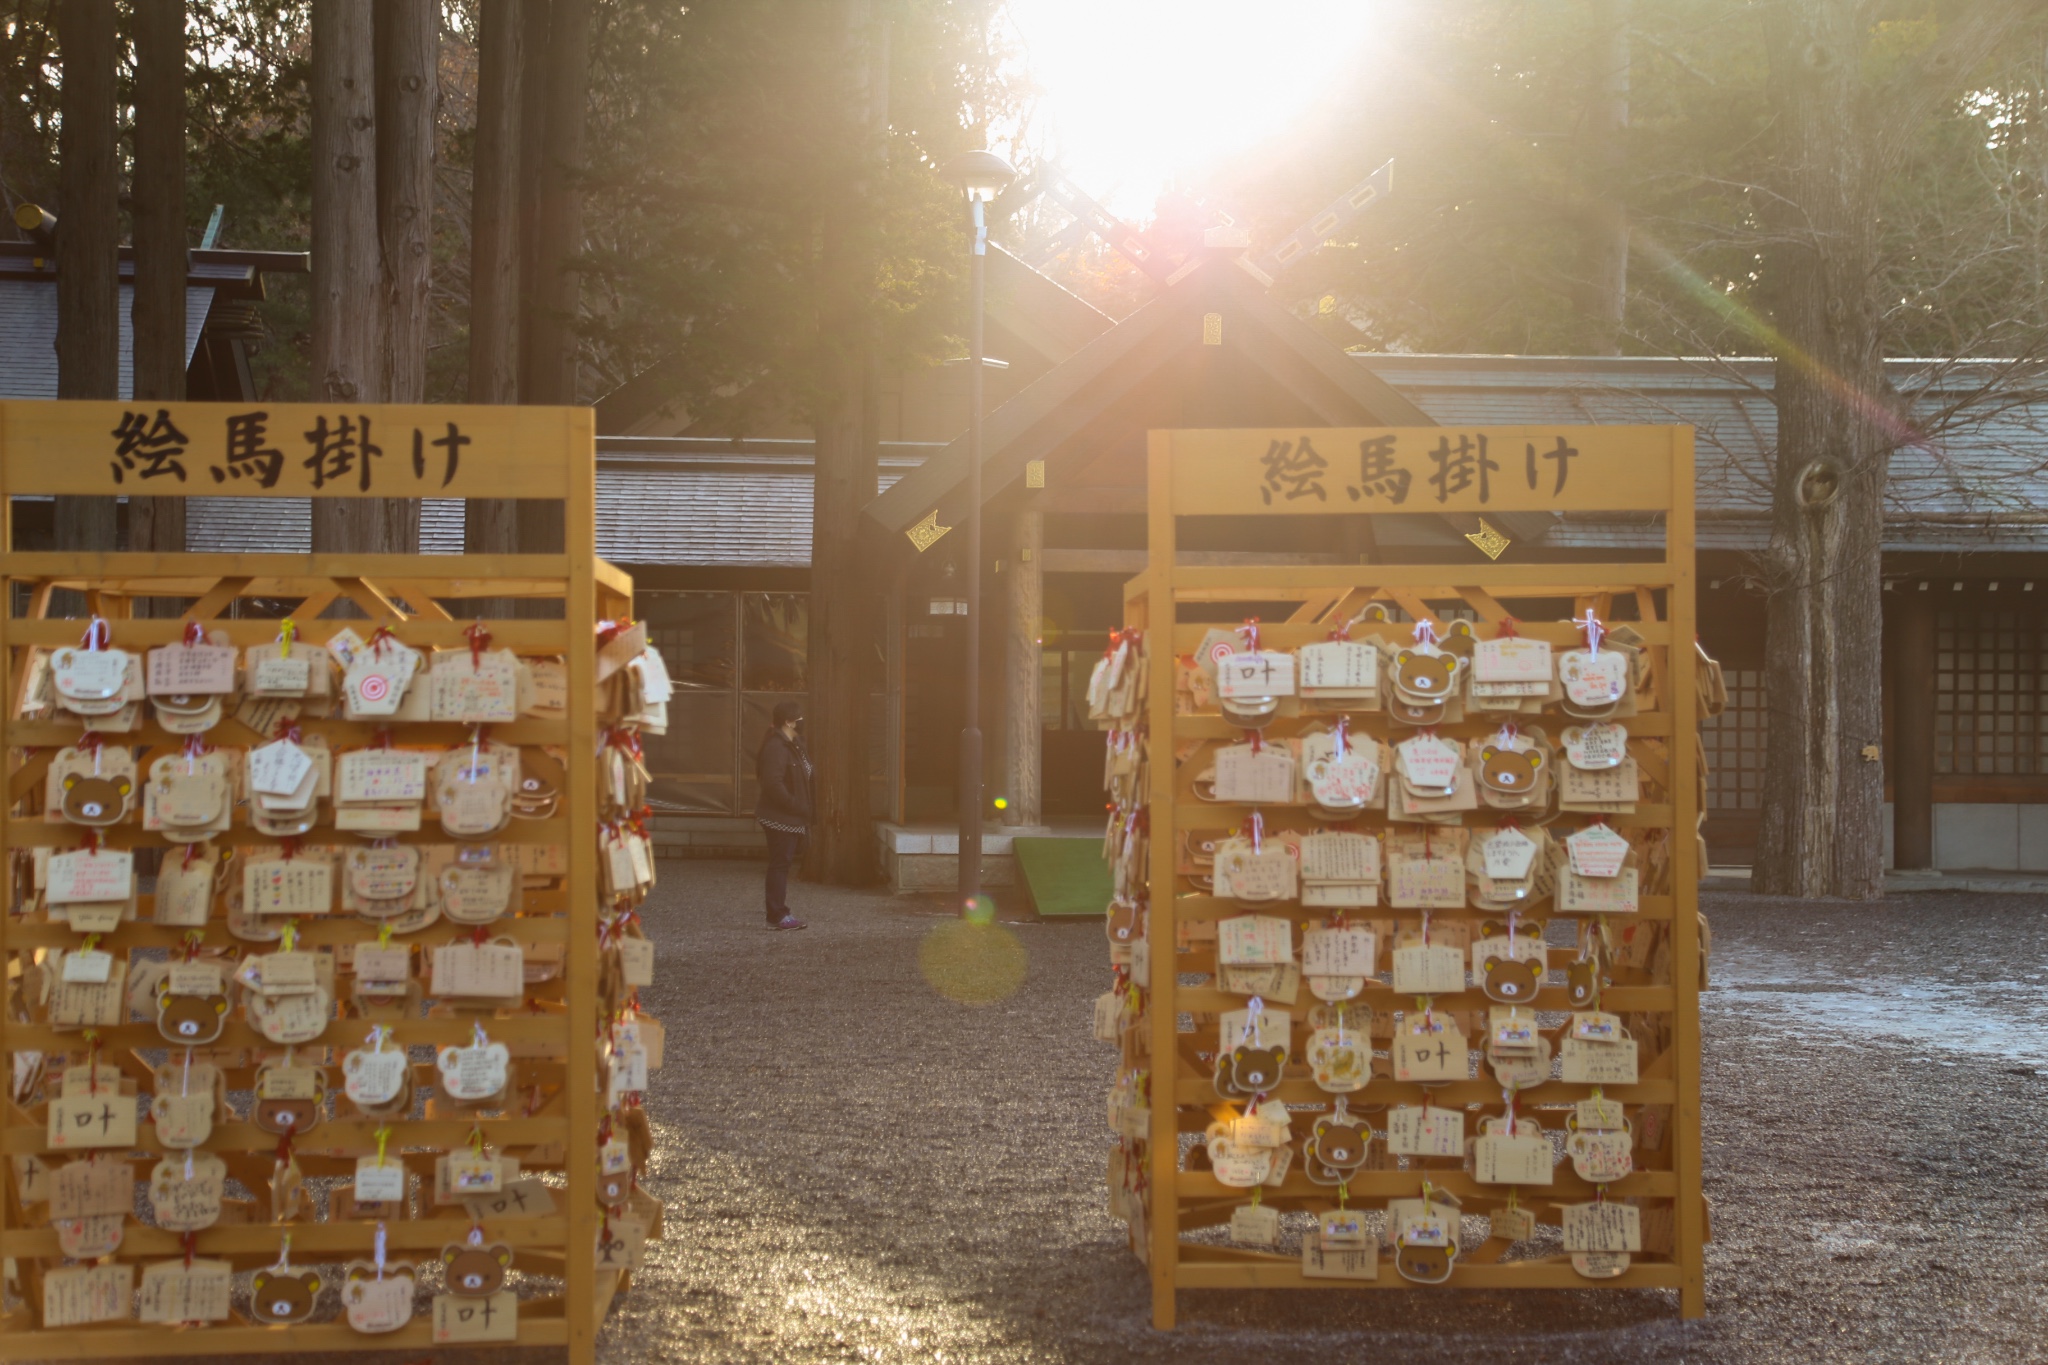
1195,473
68,448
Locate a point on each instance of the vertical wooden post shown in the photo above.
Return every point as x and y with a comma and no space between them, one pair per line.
1681,663
88,244
1024,781
1164,1143
580,620
158,306
1911,678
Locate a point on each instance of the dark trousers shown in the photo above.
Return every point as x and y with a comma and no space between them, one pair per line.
782,851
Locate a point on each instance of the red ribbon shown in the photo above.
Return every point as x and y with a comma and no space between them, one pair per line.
287,728
377,639
98,634
90,741
195,634
479,640
608,631
1250,631
1506,630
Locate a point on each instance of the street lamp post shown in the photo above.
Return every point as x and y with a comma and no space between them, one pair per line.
983,175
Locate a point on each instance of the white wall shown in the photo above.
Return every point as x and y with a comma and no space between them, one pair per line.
1985,837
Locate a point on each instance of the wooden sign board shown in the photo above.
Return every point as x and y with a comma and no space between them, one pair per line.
332,450
1409,470
1422,469
318,450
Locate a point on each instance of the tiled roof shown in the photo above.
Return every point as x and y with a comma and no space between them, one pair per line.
28,332
285,525
1978,485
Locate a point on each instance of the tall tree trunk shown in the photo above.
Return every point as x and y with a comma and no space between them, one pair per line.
550,368
536,25
348,312
158,524
88,244
1822,829
491,525
408,89
408,38
842,589
1603,131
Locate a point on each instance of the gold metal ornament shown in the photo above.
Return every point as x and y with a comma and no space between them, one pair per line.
1491,543
926,533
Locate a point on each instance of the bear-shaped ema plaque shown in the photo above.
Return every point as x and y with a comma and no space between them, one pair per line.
1511,981
283,1294
473,1270
1509,770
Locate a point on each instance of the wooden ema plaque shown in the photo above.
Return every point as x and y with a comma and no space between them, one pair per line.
546,1219
1641,1033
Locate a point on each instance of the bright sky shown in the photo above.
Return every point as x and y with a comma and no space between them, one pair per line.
1138,91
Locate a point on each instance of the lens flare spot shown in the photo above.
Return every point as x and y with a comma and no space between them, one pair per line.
972,960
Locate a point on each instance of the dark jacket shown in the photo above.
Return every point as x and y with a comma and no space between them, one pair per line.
784,771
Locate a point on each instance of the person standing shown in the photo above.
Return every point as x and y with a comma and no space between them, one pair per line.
783,810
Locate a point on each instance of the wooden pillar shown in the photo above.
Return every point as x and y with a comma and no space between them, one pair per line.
1023,780
1910,675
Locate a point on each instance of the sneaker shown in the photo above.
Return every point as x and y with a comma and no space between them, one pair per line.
789,922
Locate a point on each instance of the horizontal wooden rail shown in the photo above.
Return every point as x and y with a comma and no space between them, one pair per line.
518,1028
534,637
23,834
1502,580
338,1135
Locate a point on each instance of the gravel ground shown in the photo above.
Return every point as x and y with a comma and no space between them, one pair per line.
858,1168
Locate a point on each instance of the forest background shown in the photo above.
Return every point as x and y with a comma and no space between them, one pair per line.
756,201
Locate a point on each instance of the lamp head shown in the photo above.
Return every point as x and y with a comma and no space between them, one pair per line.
983,174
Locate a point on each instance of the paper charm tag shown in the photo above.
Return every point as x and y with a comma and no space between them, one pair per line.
377,680
1425,1130
89,674
173,1292
1597,851
476,893
188,1202
1516,659
1430,1053
379,1180
191,670
1606,1225
1350,951
1594,747
91,876
1593,679
1601,1157
476,1072
1340,668
1511,1224
1428,762
184,892
459,1318
1434,970
1508,854
1255,1225
288,886
74,1296
375,1077
1245,940
377,1301
278,768
1500,1159
1255,676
